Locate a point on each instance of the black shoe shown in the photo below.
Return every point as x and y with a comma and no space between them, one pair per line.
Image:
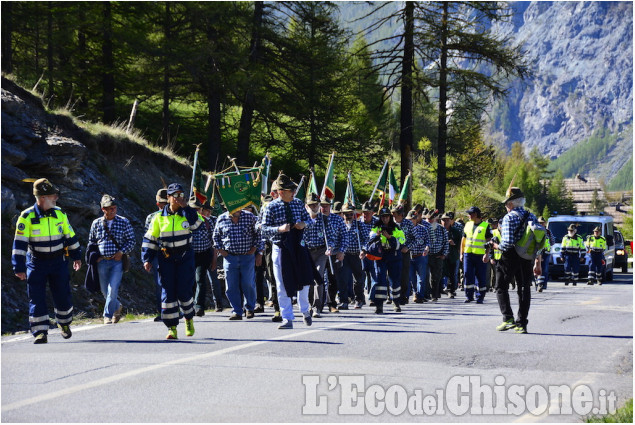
276,317
158,319
467,301
40,339
379,309
235,316
250,314
396,308
259,309
66,331
540,288
479,301
388,301
574,284
566,284
371,304
200,313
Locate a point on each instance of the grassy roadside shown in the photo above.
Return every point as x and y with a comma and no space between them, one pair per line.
623,415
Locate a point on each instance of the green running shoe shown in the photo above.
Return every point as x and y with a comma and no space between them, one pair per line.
66,331
40,339
189,327
520,329
172,333
506,325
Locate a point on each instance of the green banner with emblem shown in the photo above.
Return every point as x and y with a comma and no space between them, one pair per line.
240,189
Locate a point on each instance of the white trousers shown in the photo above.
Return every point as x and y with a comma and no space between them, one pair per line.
284,300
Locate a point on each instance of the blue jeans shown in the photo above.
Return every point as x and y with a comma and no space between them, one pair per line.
475,270
240,276
418,271
110,274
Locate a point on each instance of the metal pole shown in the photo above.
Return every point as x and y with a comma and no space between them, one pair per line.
194,171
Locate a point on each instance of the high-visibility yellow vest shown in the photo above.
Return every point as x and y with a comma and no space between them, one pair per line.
170,231
397,233
497,252
44,233
596,244
572,245
475,237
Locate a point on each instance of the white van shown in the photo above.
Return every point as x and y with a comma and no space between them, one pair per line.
586,223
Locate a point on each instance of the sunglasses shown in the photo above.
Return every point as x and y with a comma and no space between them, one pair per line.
179,195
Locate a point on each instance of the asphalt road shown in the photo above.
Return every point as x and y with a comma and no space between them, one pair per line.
436,362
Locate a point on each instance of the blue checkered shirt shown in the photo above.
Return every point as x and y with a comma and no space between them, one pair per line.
237,238
121,231
458,226
352,230
149,220
336,234
439,244
510,227
408,231
203,236
421,234
275,216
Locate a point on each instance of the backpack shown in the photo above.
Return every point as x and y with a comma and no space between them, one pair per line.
533,239
374,250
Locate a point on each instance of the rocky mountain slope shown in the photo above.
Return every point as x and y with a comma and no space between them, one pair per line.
85,166
582,58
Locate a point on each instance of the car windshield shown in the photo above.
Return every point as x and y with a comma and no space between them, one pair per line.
618,238
559,229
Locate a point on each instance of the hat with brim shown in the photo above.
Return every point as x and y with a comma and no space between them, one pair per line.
432,214
283,182
597,229
572,226
447,216
418,208
412,214
194,202
541,219
397,209
174,188
107,201
513,193
473,210
492,220
337,207
348,208
312,199
324,200
162,195
367,207
384,211
43,187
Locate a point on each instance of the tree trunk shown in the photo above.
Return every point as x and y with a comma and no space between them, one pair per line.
213,130
245,127
82,86
165,115
108,74
443,126
49,49
7,33
406,131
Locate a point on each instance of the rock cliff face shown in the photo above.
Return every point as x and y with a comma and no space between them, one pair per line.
582,58
37,144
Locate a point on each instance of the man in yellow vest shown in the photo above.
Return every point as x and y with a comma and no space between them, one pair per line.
596,244
170,238
42,235
570,249
475,253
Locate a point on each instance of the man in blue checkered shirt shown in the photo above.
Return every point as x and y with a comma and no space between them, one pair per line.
237,239
439,249
351,273
419,252
203,254
114,236
283,214
333,226
511,265
399,215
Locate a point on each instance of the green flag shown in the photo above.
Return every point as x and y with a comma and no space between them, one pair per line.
349,196
313,188
381,181
393,187
240,190
403,197
329,180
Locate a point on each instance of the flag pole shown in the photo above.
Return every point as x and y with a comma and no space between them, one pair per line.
377,184
194,170
350,191
299,186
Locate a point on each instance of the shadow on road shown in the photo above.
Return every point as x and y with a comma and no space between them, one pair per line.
388,331
274,340
587,336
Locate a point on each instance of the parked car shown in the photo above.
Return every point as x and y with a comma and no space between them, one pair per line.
621,256
586,223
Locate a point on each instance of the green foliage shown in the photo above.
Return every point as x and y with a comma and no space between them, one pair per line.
627,227
623,180
623,415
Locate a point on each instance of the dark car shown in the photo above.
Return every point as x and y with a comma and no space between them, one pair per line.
621,257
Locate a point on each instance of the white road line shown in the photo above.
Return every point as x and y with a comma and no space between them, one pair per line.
114,378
